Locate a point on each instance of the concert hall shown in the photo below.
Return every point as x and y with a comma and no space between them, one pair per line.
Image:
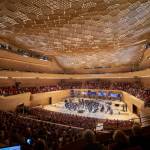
74,74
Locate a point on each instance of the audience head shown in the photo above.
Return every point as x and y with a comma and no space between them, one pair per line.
40,144
120,137
88,136
136,129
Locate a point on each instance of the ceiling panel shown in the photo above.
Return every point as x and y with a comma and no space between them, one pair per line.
79,33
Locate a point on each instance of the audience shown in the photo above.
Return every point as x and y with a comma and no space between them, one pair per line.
16,129
137,138
135,89
47,130
121,141
40,145
78,121
90,141
61,118
36,134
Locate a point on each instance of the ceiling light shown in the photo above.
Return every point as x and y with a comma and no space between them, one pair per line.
24,55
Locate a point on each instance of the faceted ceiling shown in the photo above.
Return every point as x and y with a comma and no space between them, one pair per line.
79,33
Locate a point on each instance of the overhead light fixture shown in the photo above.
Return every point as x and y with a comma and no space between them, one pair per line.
25,55
147,45
44,58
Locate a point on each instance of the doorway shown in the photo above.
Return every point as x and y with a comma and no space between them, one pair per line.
50,100
135,109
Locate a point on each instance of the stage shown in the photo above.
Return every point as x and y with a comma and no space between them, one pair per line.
116,106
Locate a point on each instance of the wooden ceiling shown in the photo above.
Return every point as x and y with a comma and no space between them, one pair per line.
80,34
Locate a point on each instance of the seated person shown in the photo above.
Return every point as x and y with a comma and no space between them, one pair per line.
121,141
90,143
137,138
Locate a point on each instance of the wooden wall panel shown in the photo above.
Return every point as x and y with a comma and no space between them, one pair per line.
9,103
43,98
146,82
130,100
146,60
20,63
100,70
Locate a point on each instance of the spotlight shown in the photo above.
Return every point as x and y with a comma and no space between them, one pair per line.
147,45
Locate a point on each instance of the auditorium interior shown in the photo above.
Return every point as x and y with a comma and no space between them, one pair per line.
74,74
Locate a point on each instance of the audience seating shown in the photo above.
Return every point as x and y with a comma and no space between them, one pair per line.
132,88
78,121
16,129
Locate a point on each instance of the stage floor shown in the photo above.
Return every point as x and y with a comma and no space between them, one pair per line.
118,112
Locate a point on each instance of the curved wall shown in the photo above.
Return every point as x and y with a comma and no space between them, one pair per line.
17,62
43,98
131,100
10,102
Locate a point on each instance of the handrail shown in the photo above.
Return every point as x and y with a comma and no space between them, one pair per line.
58,124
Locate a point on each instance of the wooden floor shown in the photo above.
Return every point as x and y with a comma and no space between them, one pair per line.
118,112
